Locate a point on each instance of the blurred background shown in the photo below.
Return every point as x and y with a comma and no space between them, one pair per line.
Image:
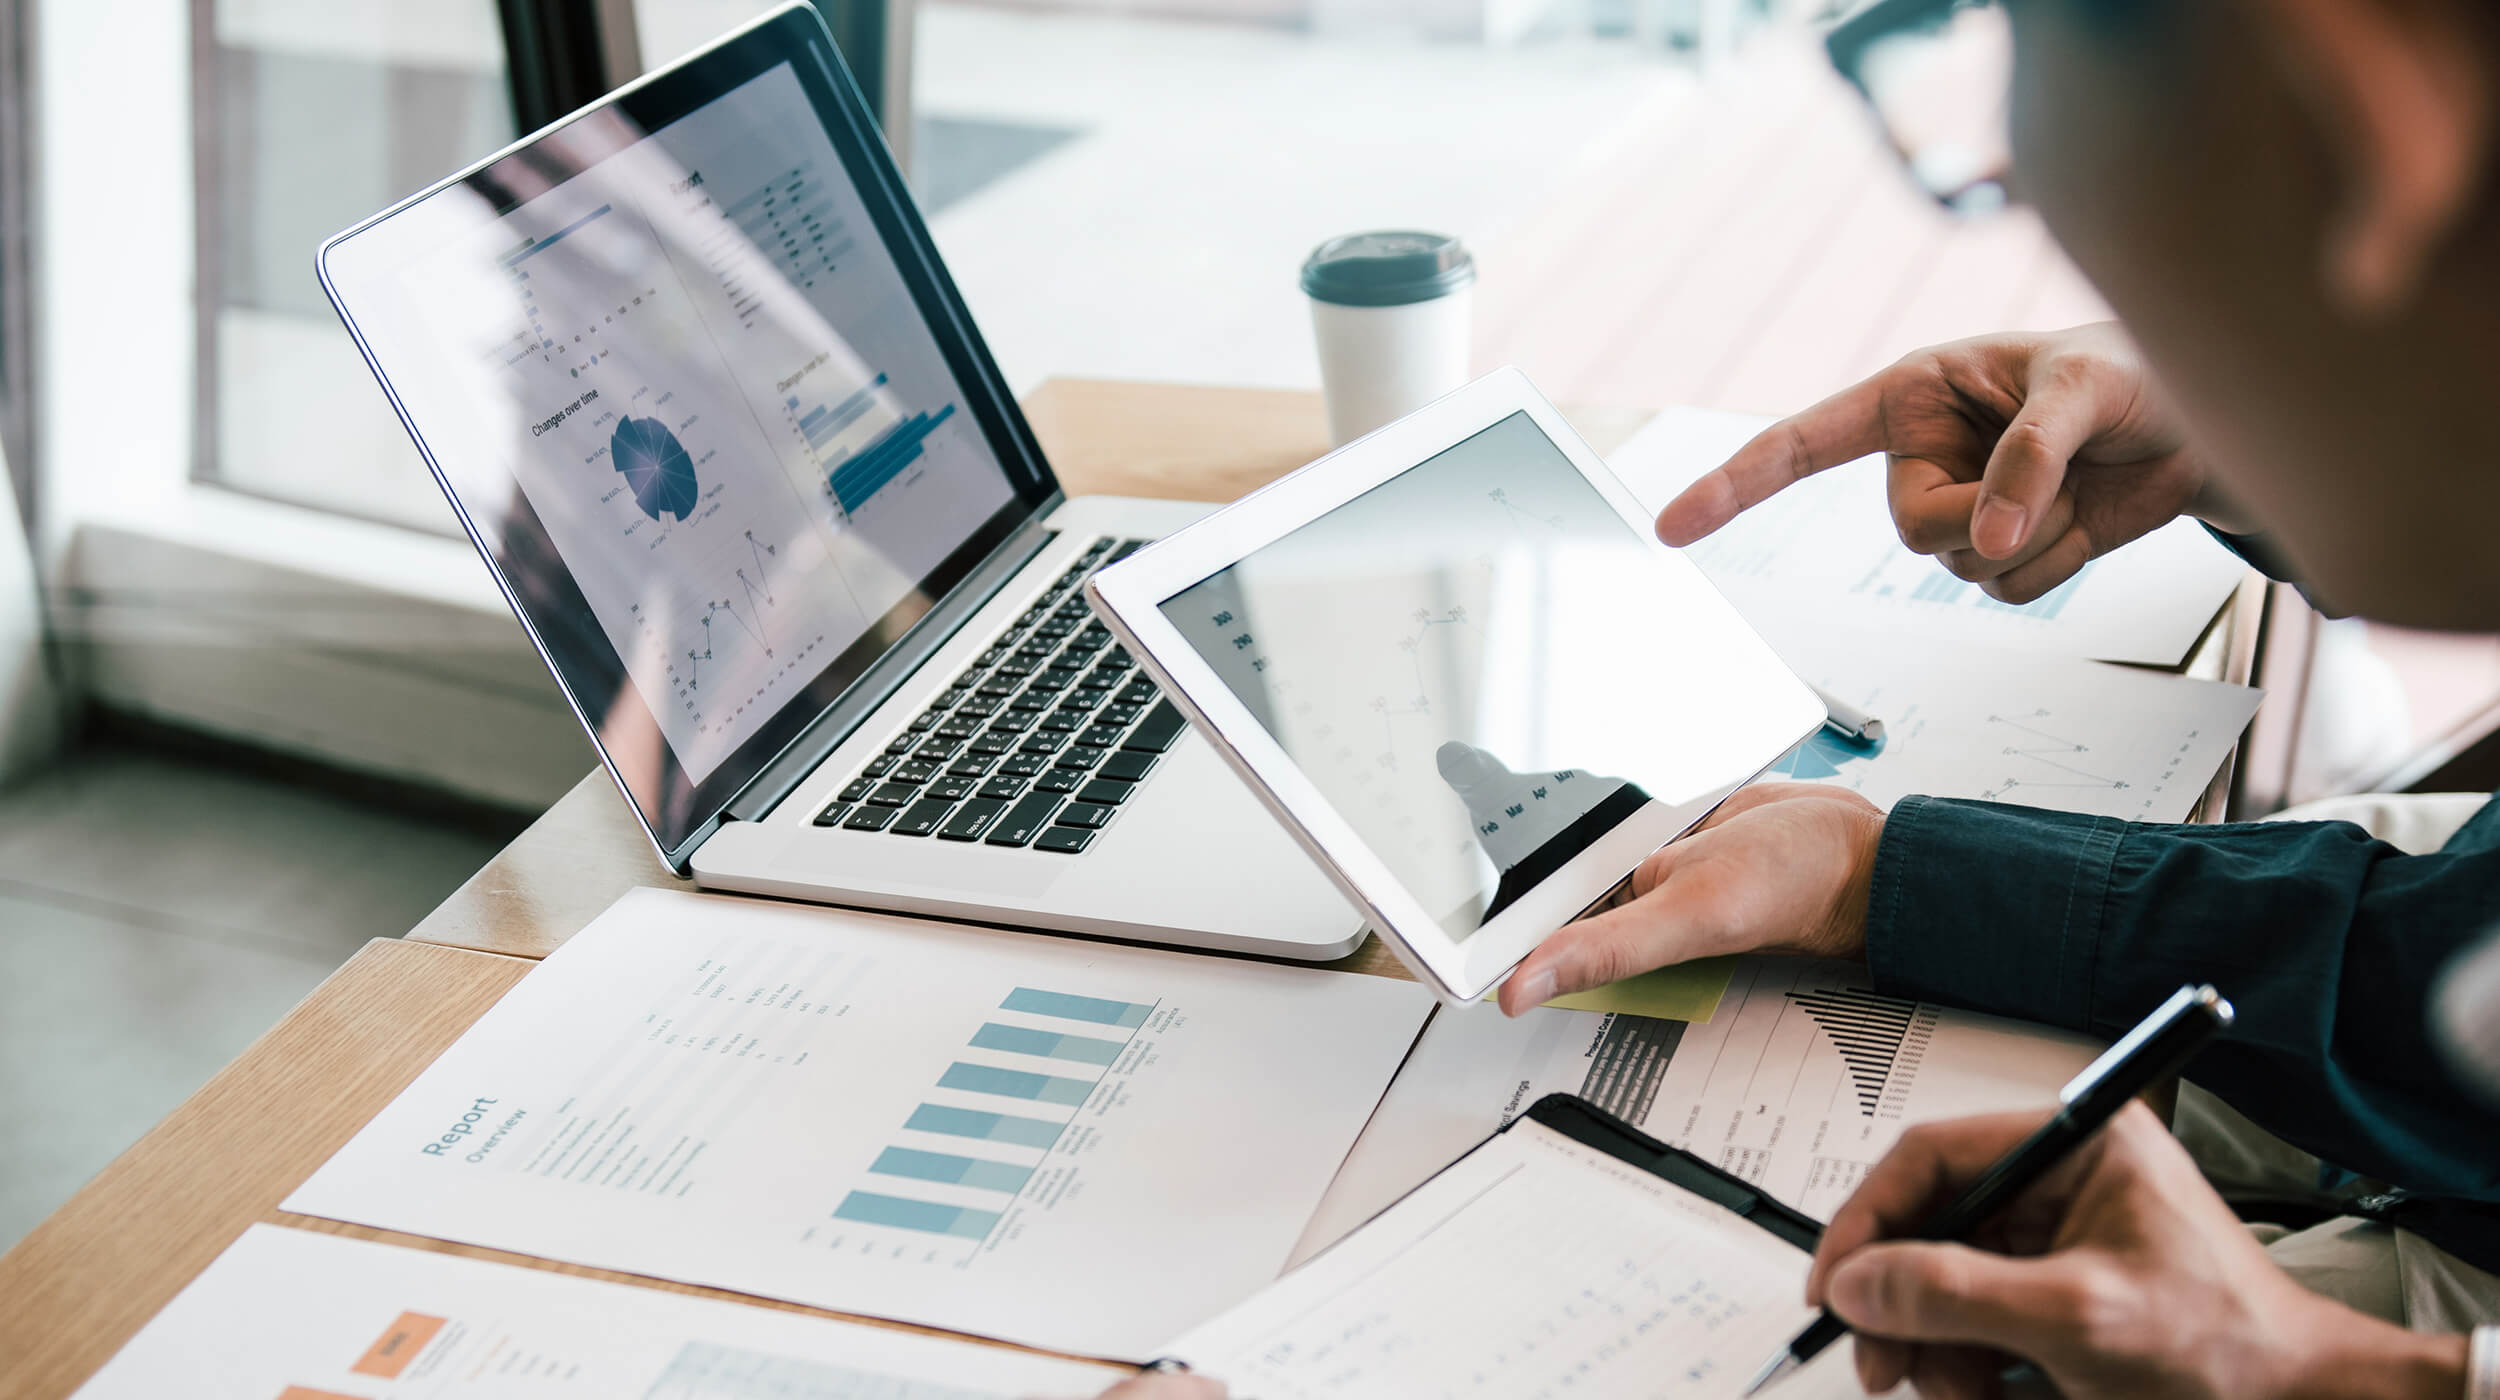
259,702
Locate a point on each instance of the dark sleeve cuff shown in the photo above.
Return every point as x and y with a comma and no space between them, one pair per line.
1991,908
2258,550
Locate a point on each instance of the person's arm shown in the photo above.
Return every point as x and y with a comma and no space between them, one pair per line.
2328,942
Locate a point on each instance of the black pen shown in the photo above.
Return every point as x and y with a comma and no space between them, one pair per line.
2159,1046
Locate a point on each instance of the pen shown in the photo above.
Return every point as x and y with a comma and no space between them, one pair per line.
1848,721
2159,1046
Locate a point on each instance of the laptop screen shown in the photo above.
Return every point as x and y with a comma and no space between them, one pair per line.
696,407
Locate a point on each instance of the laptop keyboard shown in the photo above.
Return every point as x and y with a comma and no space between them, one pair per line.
1037,744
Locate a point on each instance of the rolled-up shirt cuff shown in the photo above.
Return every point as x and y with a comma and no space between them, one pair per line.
1991,908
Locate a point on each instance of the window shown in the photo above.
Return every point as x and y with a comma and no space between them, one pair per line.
311,115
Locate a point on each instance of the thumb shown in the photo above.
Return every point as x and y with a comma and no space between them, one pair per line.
1952,1293
2028,465
1631,938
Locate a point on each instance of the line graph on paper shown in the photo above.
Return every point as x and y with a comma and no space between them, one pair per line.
2043,761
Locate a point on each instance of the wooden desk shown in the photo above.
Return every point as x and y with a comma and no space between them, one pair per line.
98,1268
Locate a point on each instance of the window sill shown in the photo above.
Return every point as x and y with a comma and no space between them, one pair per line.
375,648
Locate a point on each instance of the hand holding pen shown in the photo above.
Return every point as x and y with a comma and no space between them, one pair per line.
2019,1185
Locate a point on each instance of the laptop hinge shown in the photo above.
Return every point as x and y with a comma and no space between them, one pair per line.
766,790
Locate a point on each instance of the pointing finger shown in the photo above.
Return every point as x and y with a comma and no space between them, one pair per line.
1842,428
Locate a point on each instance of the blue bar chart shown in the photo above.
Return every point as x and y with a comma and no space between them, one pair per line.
1028,1110
869,470
818,424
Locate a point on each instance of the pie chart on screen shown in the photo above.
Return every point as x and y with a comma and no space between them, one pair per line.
655,466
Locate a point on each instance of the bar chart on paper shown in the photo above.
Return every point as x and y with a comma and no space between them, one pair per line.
992,1120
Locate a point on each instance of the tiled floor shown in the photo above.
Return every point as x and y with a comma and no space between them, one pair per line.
156,914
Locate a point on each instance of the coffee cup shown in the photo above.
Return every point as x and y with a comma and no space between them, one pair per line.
1391,311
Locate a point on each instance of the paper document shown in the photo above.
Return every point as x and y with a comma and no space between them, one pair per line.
1825,550
1803,1079
1073,1145
1535,1267
2036,731
292,1315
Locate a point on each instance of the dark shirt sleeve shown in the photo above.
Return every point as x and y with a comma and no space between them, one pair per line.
2259,551
2326,941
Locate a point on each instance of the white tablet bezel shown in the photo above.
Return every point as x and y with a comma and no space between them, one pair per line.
1129,596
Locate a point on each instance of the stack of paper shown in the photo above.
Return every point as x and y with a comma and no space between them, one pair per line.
1801,1080
1067,1144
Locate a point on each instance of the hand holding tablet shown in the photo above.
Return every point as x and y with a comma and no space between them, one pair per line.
1456,663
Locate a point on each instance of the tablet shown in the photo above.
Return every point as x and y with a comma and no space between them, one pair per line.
1458,665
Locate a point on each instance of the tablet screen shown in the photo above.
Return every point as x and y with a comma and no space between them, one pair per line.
1484,668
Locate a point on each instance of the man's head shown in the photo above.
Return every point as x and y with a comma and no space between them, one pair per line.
2295,206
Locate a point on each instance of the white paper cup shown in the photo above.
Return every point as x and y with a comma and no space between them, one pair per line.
1391,312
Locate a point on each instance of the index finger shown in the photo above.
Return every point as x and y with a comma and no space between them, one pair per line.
1923,1171
1842,428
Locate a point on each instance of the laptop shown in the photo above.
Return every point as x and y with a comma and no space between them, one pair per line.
703,395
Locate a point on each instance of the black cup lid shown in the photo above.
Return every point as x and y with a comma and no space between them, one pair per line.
1387,269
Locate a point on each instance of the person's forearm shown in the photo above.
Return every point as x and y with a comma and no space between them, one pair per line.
2311,928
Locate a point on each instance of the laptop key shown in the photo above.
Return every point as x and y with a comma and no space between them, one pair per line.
1085,814
1121,715
834,814
1027,817
903,744
951,788
1042,741
971,765
992,745
1158,731
1061,722
1128,765
1023,765
915,770
879,766
921,817
1137,692
1003,788
858,789
1013,722
972,820
868,819
1035,700
926,721
1059,780
940,748
978,707
1064,840
1105,792
960,727
1102,736
893,794
1081,757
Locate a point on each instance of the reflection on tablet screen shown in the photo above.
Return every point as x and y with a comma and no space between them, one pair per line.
1476,663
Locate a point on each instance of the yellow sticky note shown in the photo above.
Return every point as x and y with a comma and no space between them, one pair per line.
1687,991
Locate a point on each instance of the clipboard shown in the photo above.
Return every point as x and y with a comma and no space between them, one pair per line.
1515,1256
1587,1124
